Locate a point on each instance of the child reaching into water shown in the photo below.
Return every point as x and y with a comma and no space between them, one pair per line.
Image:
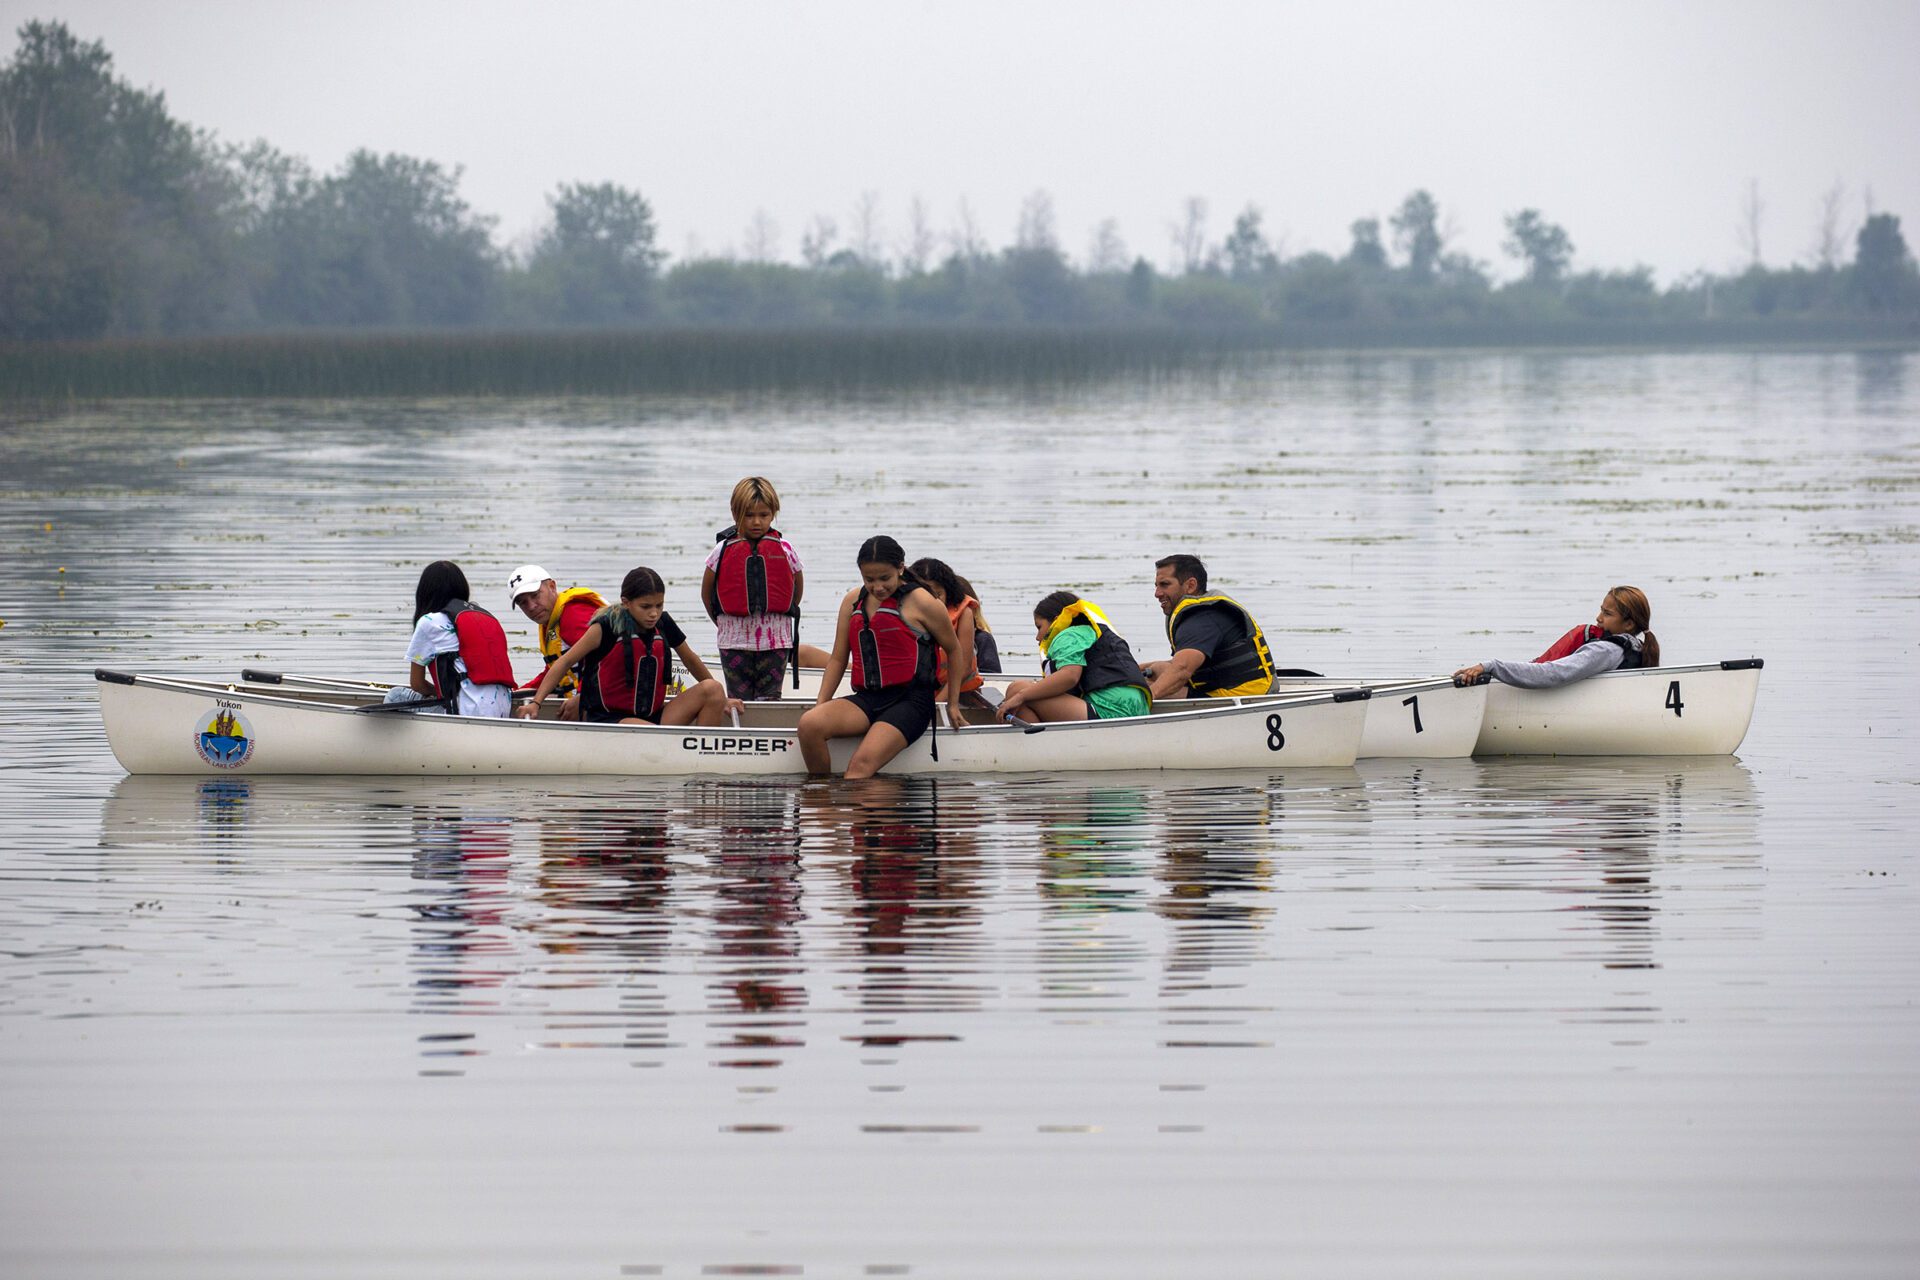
457,656
626,665
1091,671
888,628
752,588
1617,640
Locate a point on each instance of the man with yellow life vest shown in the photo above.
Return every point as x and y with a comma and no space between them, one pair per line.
1091,674
1219,651
562,616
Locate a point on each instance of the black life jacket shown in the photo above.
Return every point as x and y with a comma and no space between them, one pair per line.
1108,661
887,652
1630,656
1242,665
628,674
483,648
748,582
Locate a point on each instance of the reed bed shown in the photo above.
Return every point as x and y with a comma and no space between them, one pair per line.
689,361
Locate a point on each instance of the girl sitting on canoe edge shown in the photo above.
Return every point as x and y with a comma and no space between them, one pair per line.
1616,640
1092,674
626,665
458,653
888,627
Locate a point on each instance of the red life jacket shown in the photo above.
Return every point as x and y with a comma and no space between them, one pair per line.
1567,643
483,648
749,582
627,675
1630,657
887,652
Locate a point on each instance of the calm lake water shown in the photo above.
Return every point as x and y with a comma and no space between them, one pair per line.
1466,1018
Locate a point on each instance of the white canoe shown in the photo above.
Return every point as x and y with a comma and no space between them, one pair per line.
159,725
1424,718
1700,710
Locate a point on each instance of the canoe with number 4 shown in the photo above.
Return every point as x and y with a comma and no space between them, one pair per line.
1701,710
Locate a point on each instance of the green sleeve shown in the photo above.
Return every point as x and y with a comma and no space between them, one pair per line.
1069,648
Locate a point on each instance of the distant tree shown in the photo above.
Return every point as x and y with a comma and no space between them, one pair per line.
1542,245
1829,241
1036,227
1366,250
1883,270
1106,251
1246,249
1416,233
113,215
965,238
917,249
818,240
762,241
866,235
1752,217
1189,236
598,260
1140,284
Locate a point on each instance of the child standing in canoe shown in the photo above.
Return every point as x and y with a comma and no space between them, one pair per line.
752,588
626,665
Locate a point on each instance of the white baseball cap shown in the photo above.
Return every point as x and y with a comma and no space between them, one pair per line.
527,577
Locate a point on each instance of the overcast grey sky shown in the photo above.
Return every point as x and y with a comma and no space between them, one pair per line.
1637,126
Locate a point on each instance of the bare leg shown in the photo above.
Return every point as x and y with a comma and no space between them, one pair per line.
882,743
814,657
823,723
705,702
1060,707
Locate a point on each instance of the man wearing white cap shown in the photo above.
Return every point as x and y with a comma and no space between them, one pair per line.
562,616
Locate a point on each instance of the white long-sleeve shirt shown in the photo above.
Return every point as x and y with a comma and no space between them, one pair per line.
1591,659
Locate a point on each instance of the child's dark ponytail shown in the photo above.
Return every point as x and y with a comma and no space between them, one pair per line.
1051,605
1632,604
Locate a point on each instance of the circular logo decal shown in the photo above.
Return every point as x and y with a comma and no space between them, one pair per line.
223,738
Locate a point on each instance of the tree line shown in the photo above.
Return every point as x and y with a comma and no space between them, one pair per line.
118,220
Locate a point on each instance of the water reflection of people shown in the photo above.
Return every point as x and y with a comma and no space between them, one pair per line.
605,876
749,834
460,939
1609,826
914,873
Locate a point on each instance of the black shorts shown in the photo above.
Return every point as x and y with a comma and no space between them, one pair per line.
908,708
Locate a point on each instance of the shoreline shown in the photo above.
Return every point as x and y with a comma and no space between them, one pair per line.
678,361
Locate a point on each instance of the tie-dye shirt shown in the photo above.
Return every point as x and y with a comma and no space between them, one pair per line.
759,632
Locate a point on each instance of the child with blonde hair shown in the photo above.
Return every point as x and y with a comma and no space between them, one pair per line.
752,588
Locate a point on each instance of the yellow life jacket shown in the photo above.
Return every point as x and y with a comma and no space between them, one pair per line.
551,646
1109,662
1240,668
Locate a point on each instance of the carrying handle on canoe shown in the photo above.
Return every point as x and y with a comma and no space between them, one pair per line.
1482,678
1022,725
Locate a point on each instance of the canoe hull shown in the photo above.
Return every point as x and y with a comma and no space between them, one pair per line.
159,726
1658,711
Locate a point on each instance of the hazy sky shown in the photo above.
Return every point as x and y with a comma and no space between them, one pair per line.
1637,126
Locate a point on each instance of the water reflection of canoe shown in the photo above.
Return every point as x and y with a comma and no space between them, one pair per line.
1700,710
1420,717
152,725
